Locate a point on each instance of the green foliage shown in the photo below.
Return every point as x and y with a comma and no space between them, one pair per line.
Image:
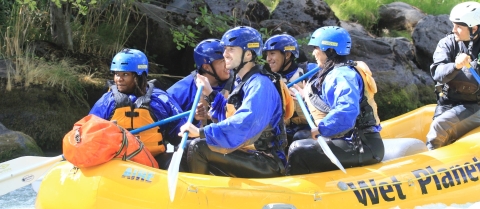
32,4
214,24
5,11
65,77
303,41
396,33
81,5
270,4
45,114
265,33
396,100
365,12
184,36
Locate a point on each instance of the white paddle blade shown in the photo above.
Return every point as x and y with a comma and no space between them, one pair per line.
36,184
173,172
326,149
22,171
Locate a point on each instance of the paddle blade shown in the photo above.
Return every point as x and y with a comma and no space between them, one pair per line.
173,172
22,171
177,156
36,184
326,149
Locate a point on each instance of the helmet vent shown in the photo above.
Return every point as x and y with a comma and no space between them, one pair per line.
273,44
124,63
232,39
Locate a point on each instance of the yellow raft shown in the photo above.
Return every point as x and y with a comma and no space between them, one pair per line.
447,175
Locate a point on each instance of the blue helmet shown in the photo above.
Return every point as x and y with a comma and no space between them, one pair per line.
282,42
207,51
245,37
332,37
130,60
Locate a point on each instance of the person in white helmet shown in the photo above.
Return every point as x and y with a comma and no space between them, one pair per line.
458,93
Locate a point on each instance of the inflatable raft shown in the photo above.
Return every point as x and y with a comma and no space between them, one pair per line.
408,177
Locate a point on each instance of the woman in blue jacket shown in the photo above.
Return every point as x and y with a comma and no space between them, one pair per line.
341,108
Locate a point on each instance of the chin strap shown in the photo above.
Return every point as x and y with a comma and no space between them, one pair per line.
285,63
472,36
214,74
243,63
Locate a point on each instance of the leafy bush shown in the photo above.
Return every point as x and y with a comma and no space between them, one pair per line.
365,12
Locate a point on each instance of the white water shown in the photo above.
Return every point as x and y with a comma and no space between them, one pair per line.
24,198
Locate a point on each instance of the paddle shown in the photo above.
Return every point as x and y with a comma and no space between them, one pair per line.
321,141
177,156
161,122
22,171
474,73
304,76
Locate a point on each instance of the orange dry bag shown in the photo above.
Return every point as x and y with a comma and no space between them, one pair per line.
94,141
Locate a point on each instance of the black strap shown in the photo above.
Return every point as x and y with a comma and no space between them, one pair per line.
364,141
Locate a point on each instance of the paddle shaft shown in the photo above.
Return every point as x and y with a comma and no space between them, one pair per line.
173,168
191,115
326,149
304,76
475,74
158,123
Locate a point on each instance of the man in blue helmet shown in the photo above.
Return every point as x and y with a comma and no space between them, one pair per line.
133,102
249,138
455,63
281,51
208,56
341,102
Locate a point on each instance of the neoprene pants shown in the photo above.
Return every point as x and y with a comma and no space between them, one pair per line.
164,159
238,163
453,123
306,155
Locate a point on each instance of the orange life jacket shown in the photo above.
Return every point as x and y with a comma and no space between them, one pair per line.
129,117
94,140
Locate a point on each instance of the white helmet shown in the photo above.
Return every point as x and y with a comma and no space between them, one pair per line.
466,12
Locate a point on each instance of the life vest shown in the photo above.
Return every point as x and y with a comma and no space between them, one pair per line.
132,115
464,88
235,99
368,116
94,140
265,140
298,117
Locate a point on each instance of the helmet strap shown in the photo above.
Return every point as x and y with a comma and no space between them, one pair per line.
285,62
214,74
472,36
236,70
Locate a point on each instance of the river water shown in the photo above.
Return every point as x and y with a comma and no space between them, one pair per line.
24,198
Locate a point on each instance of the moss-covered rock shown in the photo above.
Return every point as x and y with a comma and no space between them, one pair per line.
45,114
15,144
396,100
